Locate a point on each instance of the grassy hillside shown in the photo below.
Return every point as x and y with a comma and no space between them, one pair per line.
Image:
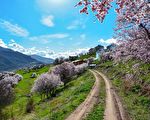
56,108
135,97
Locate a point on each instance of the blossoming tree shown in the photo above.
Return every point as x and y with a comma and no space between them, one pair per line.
133,25
132,10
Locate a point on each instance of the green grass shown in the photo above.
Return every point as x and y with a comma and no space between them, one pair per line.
56,108
98,110
17,108
136,103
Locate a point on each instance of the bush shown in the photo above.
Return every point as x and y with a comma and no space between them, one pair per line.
106,56
46,84
7,82
6,93
11,80
18,77
66,71
79,69
30,106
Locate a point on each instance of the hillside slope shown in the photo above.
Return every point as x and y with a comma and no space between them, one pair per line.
131,82
55,108
10,60
42,59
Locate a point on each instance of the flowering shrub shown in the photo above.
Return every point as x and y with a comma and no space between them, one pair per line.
106,56
11,80
18,77
66,71
79,69
46,84
7,82
6,93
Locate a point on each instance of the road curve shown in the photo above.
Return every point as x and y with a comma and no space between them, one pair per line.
83,109
114,109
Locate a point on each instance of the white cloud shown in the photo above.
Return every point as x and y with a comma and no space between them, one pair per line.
16,47
14,29
108,41
48,21
49,36
76,24
29,51
70,53
2,44
44,52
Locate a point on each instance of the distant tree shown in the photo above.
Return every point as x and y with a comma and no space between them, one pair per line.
66,70
59,60
99,48
111,47
46,84
73,58
66,60
92,51
79,69
95,49
106,56
56,61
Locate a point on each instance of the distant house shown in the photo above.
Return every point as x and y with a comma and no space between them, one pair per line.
79,62
111,47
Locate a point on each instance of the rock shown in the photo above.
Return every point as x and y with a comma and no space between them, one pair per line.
34,75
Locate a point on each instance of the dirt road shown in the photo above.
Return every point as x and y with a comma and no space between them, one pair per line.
114,109
89,102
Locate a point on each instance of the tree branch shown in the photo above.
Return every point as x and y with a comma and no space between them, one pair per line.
146,30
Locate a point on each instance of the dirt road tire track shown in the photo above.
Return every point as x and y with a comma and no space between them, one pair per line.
114,109
86,107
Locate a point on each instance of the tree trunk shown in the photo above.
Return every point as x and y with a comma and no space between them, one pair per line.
146,30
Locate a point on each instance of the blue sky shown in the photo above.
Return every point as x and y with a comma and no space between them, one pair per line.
51,27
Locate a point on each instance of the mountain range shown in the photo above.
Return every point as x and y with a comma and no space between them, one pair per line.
12,60
42,59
